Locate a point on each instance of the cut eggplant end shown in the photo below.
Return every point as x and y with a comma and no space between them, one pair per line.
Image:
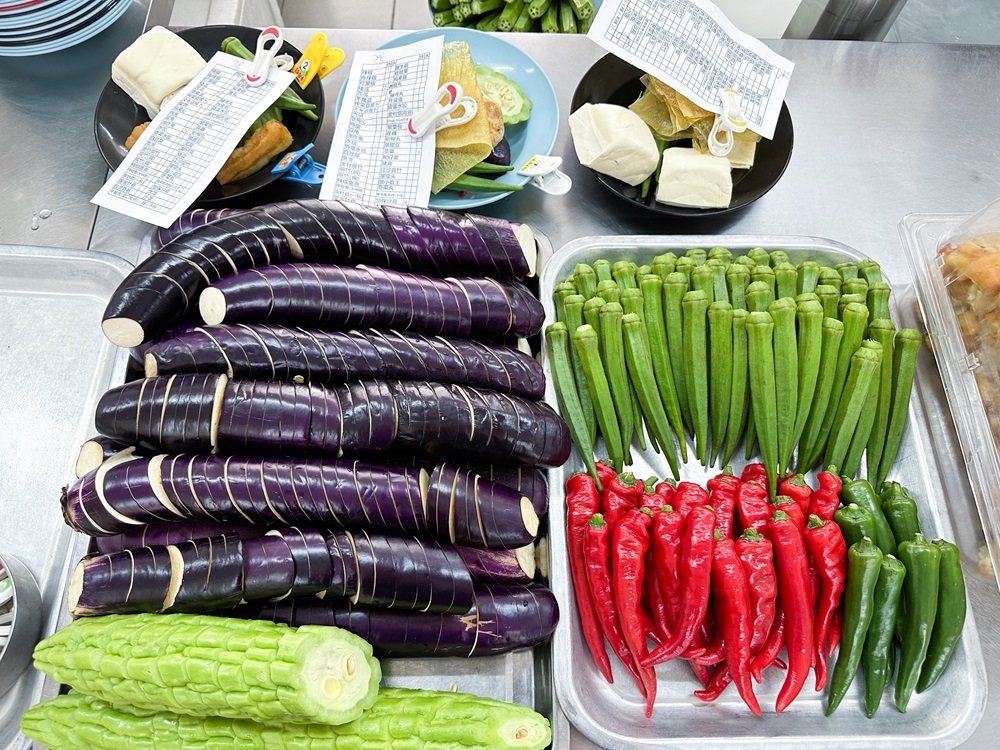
425,486
123,332
91,457
525,557
75,590
524,346
220,392
526,239
212,306
542,557
150,365
293,244
530,518
176,576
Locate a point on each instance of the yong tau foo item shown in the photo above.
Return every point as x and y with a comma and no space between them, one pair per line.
155,67
690,178
614,141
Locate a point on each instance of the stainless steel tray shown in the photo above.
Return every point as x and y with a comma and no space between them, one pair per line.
612,716
54,364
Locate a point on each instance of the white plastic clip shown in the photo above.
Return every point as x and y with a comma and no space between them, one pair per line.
729,121
438,114
545,175
264,55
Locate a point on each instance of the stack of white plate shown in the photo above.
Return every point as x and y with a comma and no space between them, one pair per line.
34,27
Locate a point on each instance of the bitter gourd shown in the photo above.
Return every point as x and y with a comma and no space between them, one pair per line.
214,666
399,720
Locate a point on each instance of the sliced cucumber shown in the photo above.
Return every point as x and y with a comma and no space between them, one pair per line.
513,101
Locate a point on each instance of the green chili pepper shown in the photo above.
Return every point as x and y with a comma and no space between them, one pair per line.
879,646
860,492
950,615
864,561
922,560
900,511
855,522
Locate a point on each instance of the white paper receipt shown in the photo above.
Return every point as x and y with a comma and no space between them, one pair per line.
187,143
373,159
691,45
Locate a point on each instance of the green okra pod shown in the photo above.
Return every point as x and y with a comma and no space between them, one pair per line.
720,289
861,374
786,377
694,326
638,360
663,265
675,286
698,255
777,257
759,256
829,297
685,265
592,312
830,277
848,270
643,271
574,308
585,280
856,285
559,295
632,302
623,272
737,280
921,590
786,278
847,299
660,355
950,618
558,347
613,357
720,367
602,270
703,280
738,402
765,275
877,300
879,644
763,399
883,331
807,277
904,367
866,421
759,296
809,315
586,342
609,291
721,253
870,271
831,336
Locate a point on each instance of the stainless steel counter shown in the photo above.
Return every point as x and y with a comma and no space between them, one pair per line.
881,130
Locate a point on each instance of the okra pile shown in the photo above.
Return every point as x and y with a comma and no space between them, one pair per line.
724,579
551,16
802,364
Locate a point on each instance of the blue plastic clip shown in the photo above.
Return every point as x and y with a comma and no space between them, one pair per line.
299,166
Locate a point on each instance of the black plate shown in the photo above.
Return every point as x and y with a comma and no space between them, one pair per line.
612,80
117,115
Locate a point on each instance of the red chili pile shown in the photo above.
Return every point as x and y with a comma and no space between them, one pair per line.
721,577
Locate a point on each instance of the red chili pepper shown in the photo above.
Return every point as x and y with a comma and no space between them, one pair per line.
836,624
696,583
665,492
757,556
753,505
827,546
605,473
826,499
621,494
596,552
668,534
721,679
732,597
631,540
688,496
722,491
768,653
655,604
792,564
701,673
791,507
795,487
755,473
650,497
582,503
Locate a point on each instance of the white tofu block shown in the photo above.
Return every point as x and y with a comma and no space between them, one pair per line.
690,178
614,141
155,66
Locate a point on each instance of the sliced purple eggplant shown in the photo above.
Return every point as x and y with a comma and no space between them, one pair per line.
172,533
191,220
96,451
206,495
332,297
202,413
500,565
500,154
504,618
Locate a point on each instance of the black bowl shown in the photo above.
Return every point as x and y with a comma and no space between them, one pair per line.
117,115
611,80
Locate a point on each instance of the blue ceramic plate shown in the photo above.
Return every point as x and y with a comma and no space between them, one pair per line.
535,136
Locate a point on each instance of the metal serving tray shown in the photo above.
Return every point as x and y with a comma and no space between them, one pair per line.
54,364
613,717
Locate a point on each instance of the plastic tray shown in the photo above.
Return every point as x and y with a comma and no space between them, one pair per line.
961,367
55,364
612,715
